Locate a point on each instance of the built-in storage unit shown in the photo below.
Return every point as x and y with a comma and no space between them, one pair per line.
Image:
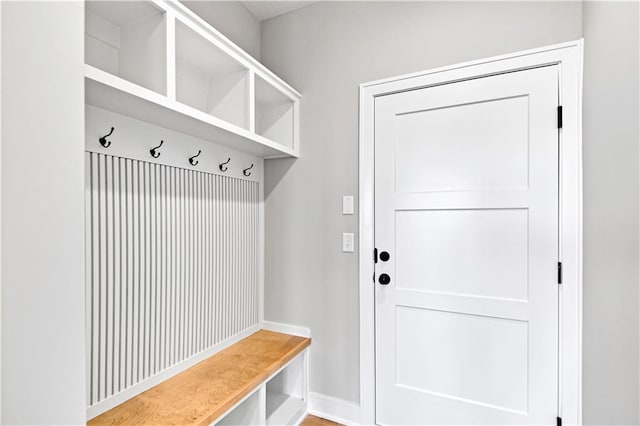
178,124
284,395
158,62
260,380
280,400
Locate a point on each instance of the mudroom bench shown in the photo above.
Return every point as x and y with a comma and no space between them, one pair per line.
259,380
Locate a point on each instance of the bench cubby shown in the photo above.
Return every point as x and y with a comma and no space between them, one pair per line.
286,393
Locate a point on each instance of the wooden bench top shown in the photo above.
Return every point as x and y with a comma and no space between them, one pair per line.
204,392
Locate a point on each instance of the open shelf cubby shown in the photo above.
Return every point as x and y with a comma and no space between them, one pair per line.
274,113
210,80
128,39
286,394
245,413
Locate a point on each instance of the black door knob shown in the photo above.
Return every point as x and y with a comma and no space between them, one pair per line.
384,279
384,256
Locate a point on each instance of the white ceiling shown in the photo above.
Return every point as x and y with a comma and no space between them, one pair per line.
269,9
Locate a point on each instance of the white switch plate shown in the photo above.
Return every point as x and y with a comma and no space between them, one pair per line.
347,204
347,242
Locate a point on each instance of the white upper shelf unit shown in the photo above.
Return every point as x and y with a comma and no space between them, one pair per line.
158,62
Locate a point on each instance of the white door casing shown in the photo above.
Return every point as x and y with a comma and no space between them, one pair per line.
566,59
466,194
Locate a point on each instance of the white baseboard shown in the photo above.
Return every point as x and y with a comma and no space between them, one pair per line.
334,409
295,330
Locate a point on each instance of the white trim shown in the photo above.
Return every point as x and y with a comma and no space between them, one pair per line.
0,219
568,56
294,330
334,409
405,81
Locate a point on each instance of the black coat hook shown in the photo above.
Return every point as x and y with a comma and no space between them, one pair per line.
246,171
223,166
103,140
192,160
154,151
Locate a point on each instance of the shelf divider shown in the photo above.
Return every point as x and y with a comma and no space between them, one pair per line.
171,55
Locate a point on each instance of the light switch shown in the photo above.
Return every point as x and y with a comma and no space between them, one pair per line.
347,242
347,204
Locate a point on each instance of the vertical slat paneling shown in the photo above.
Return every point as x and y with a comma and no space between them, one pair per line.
102,281
135,262
115,348
94,258
172,267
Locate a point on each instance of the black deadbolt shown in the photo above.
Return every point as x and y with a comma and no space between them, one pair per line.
384,279
384,256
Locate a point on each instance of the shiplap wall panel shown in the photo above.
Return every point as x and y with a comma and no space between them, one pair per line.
173,263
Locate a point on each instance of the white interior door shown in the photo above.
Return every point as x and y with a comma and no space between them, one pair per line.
466,206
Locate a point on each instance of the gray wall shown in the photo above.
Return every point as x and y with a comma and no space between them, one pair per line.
233,20
610,387
325,50
43,327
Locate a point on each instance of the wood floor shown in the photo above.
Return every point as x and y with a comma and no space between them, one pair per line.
317,421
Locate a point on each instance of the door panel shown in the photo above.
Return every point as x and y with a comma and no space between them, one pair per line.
466,197
490,247
461,155
497,376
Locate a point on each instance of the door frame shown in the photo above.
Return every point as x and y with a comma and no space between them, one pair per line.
568,56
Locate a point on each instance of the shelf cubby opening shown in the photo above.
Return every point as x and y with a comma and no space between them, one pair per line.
246,413
285,394
210,80
274,113
128,39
